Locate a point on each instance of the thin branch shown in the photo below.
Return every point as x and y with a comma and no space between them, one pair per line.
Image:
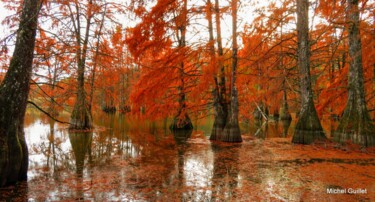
46,113
45,83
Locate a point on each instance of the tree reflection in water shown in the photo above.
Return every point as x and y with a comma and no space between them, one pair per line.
125,160
225,172
81,142
181,137
271,129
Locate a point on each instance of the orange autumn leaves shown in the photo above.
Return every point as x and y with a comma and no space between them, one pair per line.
138,63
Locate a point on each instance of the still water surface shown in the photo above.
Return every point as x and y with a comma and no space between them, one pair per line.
130,160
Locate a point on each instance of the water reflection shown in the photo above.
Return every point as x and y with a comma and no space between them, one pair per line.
81,145
181,137
130,160
225,172
51,151
271,129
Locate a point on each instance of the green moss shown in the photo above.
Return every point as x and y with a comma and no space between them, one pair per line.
231,133
15,154
355,126
308,128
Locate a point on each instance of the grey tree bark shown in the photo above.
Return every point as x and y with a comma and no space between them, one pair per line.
80,118
284,109
232,131
14,91
356,124
308,128
219,92
94,69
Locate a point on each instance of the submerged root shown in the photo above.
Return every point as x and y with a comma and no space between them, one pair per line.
308,128
80,120
231,133
364,139
181,123
356,126
307,136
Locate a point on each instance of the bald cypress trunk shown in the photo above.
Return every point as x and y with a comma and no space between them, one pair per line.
284,110
308,128
81,117
182,119
218,93
356,124
14,92
232,131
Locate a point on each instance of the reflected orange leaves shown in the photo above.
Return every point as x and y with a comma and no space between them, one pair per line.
272,169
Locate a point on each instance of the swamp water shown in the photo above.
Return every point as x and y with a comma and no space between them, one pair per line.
129,160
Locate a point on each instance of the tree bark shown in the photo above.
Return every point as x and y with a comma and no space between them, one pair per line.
284,110
284,113
14,92
80,118
182,119
308,128
356,124
219,92
96,56
232,131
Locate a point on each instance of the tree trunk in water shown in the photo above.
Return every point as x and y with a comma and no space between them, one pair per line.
80,118
356,124
308,128
182,119
284,110
232,131
223,103
373,66
220,109
220,116
13,99
108,105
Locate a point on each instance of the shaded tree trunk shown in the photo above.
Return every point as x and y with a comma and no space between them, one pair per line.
308,128
373,66
14,91
80,118
219,92
108,104
93,72
52,81
284,113
182,119
284,110
356,124
232,131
